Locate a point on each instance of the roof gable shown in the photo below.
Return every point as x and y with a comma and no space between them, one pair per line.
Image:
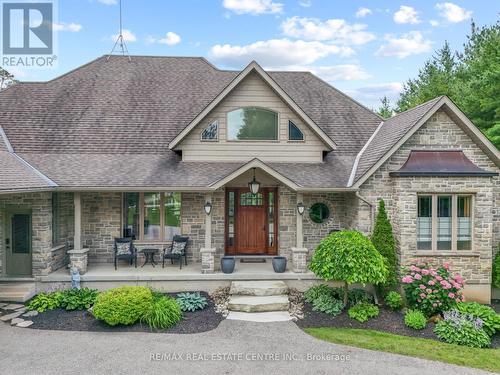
253,67
395,131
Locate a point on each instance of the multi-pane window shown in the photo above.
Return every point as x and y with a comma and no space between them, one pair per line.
444,222
151,216
210,133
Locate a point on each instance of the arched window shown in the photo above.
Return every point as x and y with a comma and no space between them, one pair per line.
294,133
252,124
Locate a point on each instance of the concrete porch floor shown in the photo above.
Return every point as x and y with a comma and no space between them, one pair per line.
171,278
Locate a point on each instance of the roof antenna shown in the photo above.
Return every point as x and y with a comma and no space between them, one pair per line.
120,43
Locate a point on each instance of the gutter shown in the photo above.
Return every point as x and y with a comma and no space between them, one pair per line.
360,153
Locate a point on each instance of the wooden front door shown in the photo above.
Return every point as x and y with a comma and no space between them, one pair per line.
251,222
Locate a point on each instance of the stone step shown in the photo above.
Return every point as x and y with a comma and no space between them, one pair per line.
17,292
258,303
260,317
258,288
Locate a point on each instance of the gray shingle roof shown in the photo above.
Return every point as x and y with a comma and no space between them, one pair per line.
15,175
389,134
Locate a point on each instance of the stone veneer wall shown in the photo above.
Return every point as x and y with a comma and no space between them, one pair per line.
287,221
40,205
400,195
101,219
314,232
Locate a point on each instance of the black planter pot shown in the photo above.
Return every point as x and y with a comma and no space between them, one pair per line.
279,264
227,264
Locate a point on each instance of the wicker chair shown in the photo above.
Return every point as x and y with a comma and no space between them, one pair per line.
131,255
169,253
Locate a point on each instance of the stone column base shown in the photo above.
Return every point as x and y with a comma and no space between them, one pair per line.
79,259
299,259
207,260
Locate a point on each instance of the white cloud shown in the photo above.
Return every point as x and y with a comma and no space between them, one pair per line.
453,13
171,39
408,44
253,7
334,30
406,14
370,95
72,27
128,36
363,12
108,2
434,23
276,52
345,72
305,3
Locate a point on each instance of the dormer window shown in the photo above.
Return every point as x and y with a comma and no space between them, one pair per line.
294,133
210,133
252,124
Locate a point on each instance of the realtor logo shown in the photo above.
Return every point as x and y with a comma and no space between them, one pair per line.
27,28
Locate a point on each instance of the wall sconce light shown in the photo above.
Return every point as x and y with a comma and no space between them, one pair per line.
208,208
301,208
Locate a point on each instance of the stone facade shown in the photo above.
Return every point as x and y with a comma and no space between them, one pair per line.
400,196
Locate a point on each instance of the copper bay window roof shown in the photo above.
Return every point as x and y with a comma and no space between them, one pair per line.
440,163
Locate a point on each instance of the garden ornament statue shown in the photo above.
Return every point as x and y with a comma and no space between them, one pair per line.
75,277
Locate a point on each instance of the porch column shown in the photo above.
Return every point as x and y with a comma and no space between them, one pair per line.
299,253
208,252
78,257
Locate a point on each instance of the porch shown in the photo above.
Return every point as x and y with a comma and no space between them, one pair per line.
172,279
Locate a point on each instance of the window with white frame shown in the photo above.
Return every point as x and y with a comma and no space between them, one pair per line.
151,216
444,222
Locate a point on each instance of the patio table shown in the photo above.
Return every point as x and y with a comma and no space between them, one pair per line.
149,255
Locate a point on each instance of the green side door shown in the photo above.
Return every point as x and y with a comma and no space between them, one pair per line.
18,243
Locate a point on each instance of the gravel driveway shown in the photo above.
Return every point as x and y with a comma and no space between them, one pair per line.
235,347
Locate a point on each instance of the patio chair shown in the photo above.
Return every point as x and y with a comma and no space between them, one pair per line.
176,250
125,249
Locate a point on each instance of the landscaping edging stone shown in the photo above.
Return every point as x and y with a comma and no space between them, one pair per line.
11,313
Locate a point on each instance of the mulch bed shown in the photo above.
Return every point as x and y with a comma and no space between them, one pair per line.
192,322
387,321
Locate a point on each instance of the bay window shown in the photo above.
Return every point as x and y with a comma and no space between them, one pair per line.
151,217
444,222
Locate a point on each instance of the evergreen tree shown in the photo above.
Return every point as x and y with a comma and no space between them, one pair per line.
385,109
6,79
383,240
436,78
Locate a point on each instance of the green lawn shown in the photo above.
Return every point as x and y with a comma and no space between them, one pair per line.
487,359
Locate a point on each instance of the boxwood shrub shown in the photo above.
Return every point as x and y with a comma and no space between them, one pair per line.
124,305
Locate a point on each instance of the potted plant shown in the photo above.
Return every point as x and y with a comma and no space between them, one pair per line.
279,264
227,264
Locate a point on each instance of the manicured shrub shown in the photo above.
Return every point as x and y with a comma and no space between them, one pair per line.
462,329
415,319
124,305
394,300
495,280
191,301
328,304
432,290
363,311
78,299
348,256
45,301
355,296
490,319
164,312
383,240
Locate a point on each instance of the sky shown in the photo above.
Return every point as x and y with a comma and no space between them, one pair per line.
366,48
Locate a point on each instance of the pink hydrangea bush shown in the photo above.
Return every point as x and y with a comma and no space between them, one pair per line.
432,290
